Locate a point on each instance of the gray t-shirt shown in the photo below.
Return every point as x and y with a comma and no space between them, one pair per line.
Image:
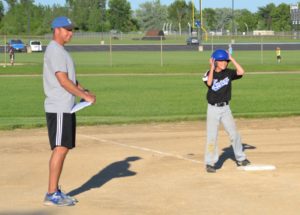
57,59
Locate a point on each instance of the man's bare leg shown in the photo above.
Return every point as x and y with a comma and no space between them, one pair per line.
55,167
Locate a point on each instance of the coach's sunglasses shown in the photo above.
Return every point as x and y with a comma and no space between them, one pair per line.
68,29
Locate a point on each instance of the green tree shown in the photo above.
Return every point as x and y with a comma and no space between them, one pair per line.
120,15
245,20
210,19
1,11
94,20
88,15
80,13
224,19
103,11
152,15
177,13
265,17
15,20
24,17
49,13
281,18
11,3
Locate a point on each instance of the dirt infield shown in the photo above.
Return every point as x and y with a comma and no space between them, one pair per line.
155,169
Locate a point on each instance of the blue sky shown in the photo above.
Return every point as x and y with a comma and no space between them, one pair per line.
251,5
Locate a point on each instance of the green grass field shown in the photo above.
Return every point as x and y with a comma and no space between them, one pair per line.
137,89
150,62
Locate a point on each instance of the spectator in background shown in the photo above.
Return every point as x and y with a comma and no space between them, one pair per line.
11,52
278,55
230,50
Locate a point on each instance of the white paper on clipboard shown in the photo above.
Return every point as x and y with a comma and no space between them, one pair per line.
80,106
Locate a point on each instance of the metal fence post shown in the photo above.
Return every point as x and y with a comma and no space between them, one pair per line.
161,52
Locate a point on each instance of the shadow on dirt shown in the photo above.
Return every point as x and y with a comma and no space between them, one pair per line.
228,154
115,170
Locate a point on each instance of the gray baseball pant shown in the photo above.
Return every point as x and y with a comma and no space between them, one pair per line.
215,116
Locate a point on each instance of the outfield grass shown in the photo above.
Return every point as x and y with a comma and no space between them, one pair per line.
150,62
137,88
135,98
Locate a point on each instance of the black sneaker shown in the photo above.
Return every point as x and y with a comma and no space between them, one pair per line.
210,169
243,163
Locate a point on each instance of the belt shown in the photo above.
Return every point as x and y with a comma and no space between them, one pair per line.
220,104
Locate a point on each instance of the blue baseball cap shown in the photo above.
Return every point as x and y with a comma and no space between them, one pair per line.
62,22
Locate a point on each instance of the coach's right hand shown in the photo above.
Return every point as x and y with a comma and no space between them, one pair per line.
90,97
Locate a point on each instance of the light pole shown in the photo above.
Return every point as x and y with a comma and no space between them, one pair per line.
201,22
193,14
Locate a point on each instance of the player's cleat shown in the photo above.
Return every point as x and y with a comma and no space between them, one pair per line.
74,200
56,199
243,163
210,169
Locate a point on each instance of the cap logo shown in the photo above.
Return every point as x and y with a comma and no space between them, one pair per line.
62,21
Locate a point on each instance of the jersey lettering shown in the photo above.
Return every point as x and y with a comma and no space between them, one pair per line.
219,84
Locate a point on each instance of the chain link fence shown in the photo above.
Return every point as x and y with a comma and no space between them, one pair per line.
104,38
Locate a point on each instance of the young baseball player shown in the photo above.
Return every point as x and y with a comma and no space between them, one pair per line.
278,55
11,52
218,80
230,49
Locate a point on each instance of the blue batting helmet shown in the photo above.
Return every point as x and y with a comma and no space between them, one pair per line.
220,55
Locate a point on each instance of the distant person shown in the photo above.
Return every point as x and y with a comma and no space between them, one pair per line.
278,55
218,81
60,88
11,52
230,50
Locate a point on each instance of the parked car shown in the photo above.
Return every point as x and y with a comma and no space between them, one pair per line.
192,41
17,45
35,46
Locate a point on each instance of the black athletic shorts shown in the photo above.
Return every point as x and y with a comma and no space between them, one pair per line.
61,129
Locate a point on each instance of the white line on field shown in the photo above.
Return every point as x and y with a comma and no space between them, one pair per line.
147,74
183,74
140,148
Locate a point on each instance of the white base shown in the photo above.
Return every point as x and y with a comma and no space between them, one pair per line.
257,167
